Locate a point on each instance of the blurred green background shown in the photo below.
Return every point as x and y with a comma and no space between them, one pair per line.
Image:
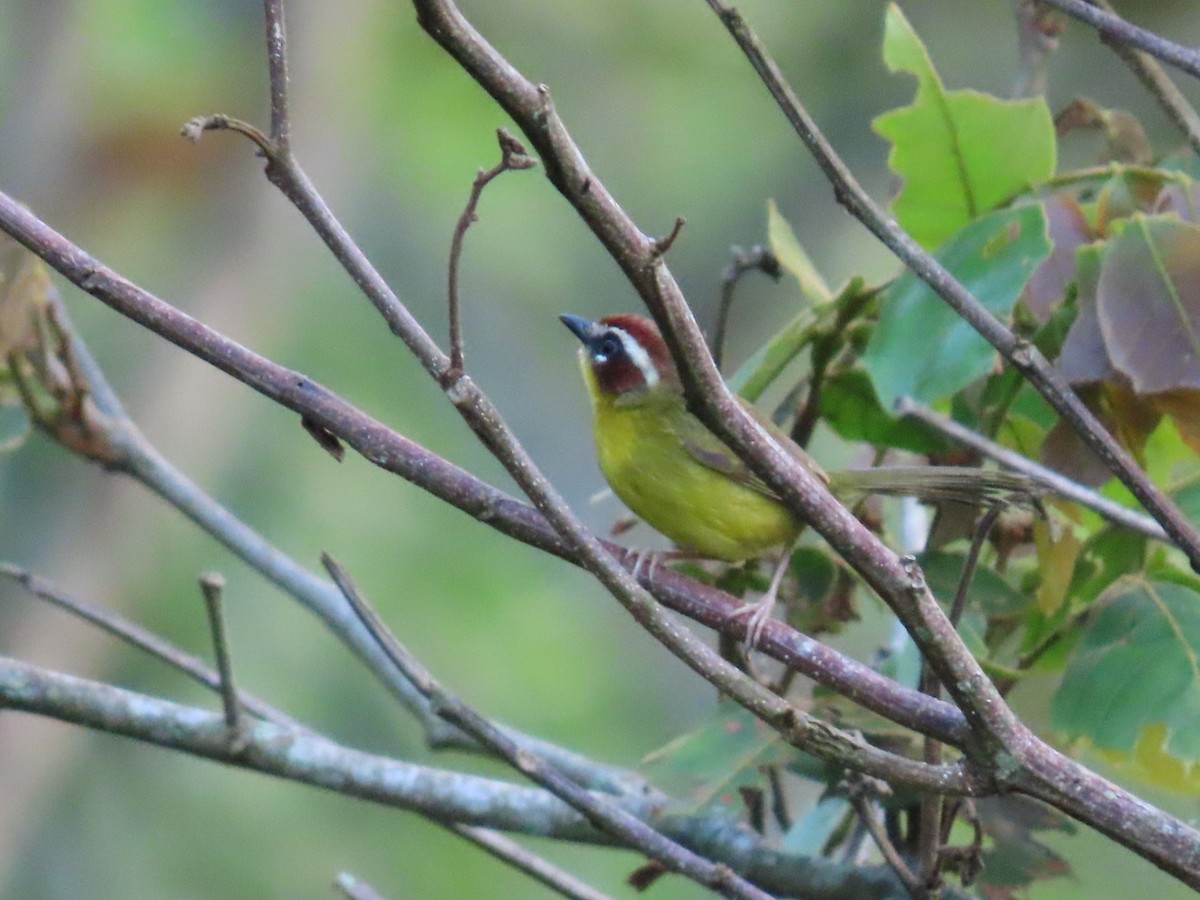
91,98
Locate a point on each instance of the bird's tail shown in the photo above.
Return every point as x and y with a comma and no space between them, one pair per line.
961,484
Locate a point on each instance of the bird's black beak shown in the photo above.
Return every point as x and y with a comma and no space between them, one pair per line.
584,329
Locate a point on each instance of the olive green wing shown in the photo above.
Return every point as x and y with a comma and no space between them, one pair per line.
710,451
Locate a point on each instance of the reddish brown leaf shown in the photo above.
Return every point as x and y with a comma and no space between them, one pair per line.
1084,357
1148,303
1068,230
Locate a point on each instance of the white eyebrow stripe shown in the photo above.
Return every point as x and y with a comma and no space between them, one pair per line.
638,356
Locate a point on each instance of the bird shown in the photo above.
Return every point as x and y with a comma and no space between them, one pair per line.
681,479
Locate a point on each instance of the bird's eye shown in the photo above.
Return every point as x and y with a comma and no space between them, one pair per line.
608,346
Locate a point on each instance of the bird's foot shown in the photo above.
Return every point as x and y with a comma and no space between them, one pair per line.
647,559
757,616
760,613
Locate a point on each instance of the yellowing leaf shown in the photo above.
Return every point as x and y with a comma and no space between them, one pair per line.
1057,551
1183,406
1150,762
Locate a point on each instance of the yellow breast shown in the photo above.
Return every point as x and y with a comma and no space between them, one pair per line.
699,508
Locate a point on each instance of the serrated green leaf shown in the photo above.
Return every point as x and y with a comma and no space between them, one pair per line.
787,249
960,153
921,348
706,767
1136,666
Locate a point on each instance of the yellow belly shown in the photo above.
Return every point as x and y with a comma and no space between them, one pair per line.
696,507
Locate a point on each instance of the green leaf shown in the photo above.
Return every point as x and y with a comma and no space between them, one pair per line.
1137,667
757,373
15,427
960,153
706,767
1016,857
989,592
1106,556
810,834
786,247
851,408
921,348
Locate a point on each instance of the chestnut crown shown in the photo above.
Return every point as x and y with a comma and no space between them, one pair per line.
626,353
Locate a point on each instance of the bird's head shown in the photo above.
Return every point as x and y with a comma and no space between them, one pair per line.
623,355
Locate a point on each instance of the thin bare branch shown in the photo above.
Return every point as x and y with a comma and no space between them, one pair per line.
509,851
1155,80
493,843
281,126
858,792
212,586
663,244
512,158
1113,27
758,258
605,815
135,635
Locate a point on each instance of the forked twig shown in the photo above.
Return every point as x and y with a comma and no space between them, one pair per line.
513,157
212,586
758,258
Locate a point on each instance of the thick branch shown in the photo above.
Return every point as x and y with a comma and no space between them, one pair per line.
605,815
452,797
298,756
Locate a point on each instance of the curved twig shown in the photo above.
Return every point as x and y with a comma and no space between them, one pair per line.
1114,27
